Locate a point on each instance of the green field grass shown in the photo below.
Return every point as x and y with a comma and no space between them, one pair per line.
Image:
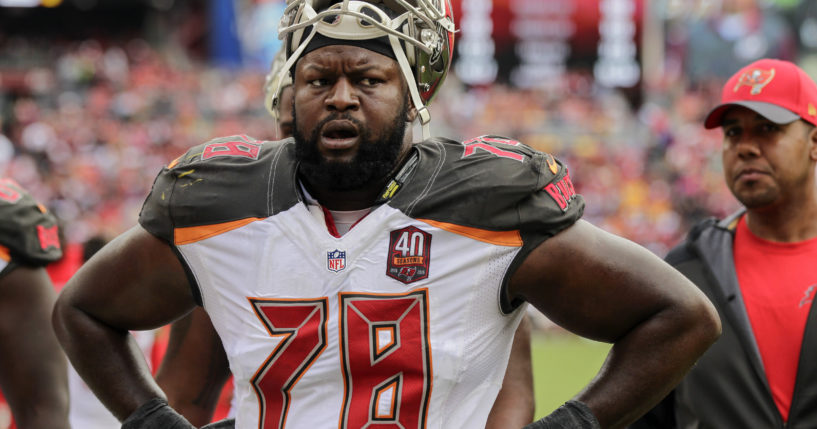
562,365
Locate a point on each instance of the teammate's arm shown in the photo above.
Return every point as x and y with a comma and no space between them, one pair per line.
135,282
515,406
33,374
609,289
195,368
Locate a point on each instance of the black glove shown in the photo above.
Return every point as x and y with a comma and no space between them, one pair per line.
571,415
156,414
221,424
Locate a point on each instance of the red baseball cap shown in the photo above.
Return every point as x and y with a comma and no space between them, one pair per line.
778,90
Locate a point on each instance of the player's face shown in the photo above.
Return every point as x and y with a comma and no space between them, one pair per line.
350,115
285,113
766,163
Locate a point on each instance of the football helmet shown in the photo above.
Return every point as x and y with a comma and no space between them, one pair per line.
421,34
276,68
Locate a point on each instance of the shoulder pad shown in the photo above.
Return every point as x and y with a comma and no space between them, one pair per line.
501,190
226,179
494,183
28,230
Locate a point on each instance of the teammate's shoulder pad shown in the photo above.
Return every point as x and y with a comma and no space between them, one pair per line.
28,231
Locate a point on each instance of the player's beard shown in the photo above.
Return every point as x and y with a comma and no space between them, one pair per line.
375,159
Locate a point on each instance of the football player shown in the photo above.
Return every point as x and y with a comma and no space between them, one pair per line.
359,279
196,368
33,373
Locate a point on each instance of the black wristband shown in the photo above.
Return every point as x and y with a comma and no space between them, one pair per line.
156,414
571,415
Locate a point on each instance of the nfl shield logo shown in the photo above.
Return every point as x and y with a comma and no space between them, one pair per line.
336,260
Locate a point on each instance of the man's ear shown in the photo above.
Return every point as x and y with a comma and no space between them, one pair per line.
812,138
411,115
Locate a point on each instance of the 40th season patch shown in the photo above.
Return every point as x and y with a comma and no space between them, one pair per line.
336,260
409,254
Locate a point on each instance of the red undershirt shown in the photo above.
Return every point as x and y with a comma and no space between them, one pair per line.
778,282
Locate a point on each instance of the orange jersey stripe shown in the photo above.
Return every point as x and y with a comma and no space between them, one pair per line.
4,253
192,234
500,238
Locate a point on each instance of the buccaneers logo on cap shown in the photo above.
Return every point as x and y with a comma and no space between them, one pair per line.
756,79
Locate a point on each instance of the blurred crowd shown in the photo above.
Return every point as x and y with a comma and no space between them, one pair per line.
88,135
86,124
647,173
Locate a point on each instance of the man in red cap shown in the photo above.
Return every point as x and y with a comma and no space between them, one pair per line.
758,265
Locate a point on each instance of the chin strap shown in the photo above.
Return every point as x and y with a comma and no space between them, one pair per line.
422,110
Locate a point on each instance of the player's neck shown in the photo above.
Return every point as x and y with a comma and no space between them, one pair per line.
789,223
355,199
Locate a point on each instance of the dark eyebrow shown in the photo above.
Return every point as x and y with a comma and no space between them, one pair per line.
354,70
313,66
366,68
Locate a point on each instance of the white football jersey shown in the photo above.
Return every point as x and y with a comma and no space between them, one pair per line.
402,321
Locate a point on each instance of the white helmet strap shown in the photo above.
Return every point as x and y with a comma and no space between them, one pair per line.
422,110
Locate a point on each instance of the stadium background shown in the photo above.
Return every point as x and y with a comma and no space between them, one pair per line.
97,95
